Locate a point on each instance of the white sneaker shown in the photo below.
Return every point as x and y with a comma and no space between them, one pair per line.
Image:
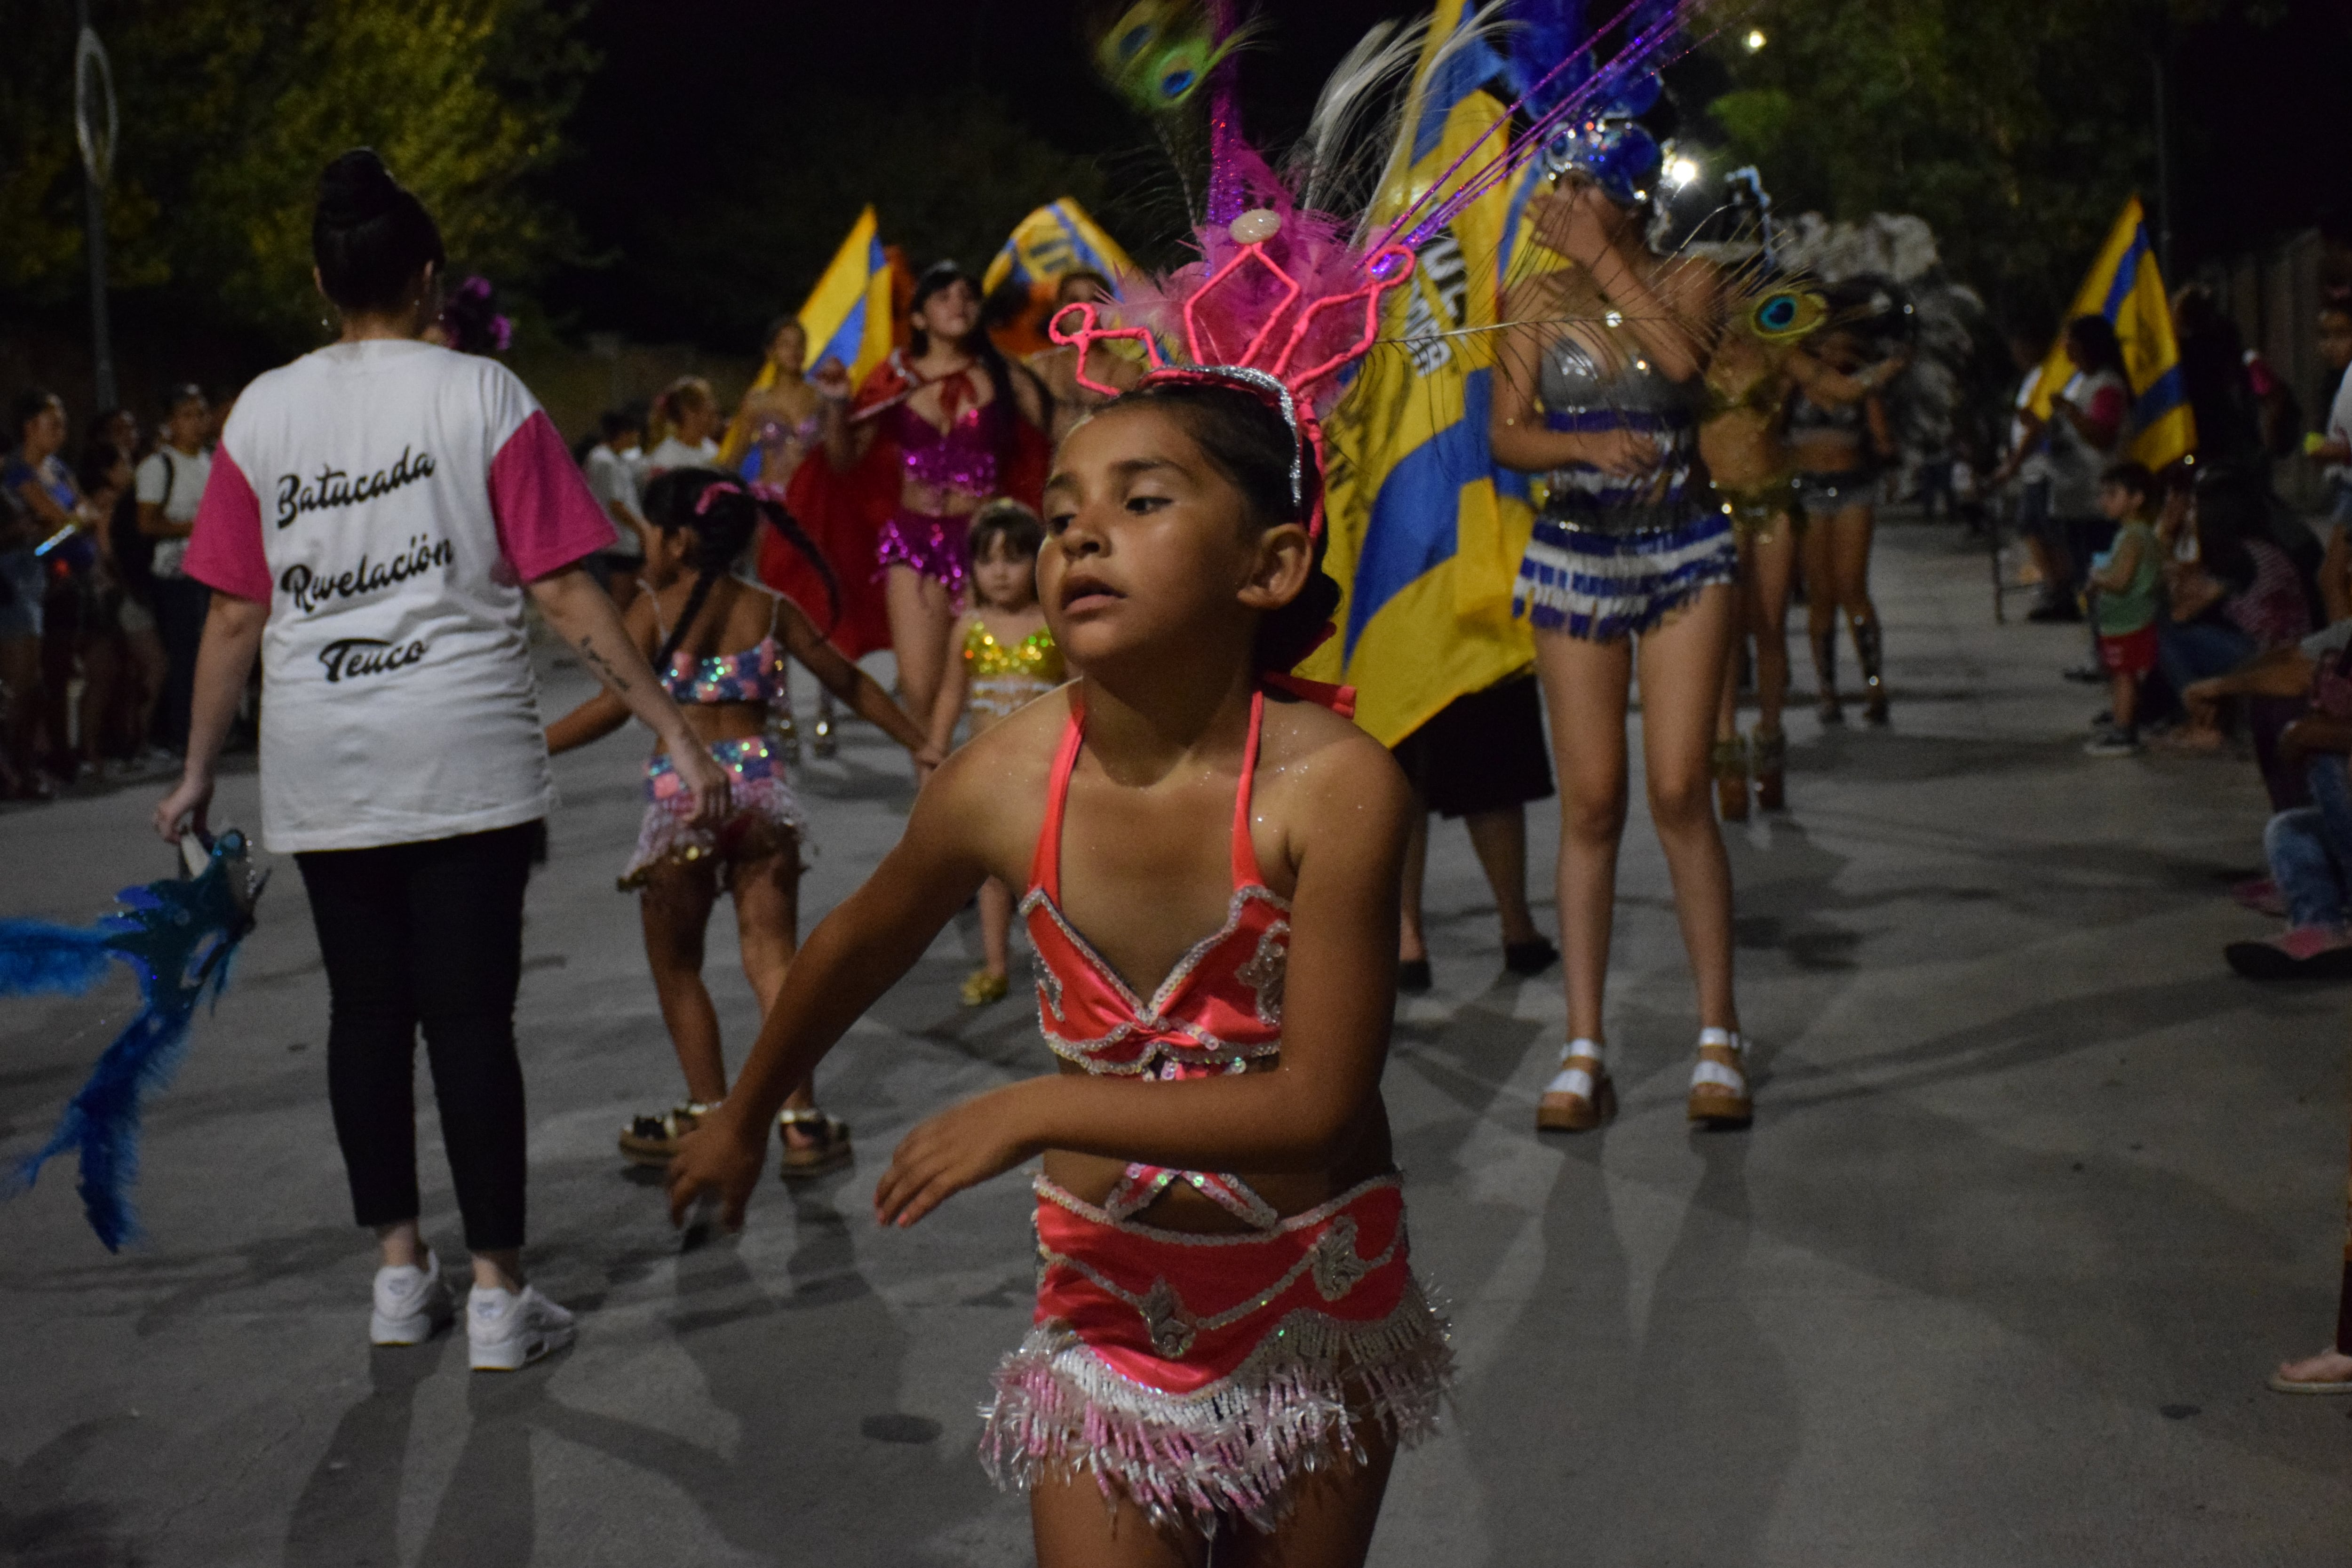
412,1304
509,1330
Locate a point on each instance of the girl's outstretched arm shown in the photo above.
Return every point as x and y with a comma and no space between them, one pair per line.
855,953
852,684
605,711
1348,842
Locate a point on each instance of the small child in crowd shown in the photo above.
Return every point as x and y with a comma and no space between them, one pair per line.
2124,581
1001,657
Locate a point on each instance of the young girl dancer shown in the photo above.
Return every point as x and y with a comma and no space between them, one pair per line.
1212,1350
719,644
1003,657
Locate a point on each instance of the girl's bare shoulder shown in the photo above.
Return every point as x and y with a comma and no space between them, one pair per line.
1324,759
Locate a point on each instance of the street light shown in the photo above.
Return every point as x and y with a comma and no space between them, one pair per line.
95,127
1755,39
1681,172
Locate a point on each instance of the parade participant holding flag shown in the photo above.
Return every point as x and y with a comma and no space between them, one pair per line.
413,497
957,426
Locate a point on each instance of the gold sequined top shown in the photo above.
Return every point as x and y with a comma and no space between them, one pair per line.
1006,679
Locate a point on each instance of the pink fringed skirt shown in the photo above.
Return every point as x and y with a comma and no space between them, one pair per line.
1203,1375
762,817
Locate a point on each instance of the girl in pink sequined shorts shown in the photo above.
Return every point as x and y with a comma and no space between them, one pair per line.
1229,1344
720,643
962,425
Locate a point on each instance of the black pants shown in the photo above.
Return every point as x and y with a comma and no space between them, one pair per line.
426,933
181,606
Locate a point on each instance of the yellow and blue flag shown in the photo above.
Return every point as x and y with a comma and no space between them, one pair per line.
2125,287
1058,238
1425,536
846,316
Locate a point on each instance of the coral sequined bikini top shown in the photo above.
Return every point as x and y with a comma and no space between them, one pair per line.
1220,1007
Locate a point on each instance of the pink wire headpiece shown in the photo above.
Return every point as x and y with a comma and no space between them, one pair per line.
1253,324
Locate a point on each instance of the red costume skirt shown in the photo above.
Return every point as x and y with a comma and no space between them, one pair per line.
1202,1375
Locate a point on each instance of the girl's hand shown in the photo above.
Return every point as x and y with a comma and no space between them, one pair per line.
702,775
1624,452
959,1148
720,1156
184,807
1568,219
930,755
831,379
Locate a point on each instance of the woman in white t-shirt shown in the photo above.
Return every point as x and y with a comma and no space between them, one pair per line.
686,413
376,514
170,483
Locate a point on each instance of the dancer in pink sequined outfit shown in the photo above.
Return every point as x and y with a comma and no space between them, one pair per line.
965,426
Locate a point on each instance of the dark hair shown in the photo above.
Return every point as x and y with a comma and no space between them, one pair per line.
620,421
723,525
2096,336
1254,446
1075,273
944,275
1008,520
2133,477
98,461
768,338
371,237
31,404
178,393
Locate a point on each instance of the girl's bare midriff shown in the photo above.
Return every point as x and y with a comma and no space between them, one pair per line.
1094,1177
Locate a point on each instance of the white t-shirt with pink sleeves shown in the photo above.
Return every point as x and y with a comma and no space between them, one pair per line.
387,500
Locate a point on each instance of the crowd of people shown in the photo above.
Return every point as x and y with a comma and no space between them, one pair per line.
2218,614
1005,524
99,623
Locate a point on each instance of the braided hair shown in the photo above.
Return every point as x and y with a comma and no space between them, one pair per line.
723,513
1253,446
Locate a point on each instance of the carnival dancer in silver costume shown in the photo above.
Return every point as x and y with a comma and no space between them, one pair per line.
1599,390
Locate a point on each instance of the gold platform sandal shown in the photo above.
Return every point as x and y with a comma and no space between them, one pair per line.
651,1140
1719,1095
829,1152
1580,1097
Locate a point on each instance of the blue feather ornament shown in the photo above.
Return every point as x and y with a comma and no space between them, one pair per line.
178,936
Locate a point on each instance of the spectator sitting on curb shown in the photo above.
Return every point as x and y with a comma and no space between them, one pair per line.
2309,847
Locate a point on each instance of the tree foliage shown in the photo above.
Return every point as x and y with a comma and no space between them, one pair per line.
229,111
2016,127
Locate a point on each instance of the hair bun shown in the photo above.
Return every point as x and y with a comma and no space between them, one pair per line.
356,189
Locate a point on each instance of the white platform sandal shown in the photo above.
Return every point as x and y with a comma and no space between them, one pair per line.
1718,1092
1580,1097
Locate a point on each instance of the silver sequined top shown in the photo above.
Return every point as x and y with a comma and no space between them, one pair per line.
1582,391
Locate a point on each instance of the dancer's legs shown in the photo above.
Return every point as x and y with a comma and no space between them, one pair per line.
1499,839
1584,689
1329,1522
1764,617
996,927
1411,941
921,616
1849,536
767,927
1821,606
1681,661
675,909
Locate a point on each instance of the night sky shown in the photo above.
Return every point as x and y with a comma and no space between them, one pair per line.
704,124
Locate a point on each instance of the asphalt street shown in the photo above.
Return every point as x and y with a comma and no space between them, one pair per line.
2037,1193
